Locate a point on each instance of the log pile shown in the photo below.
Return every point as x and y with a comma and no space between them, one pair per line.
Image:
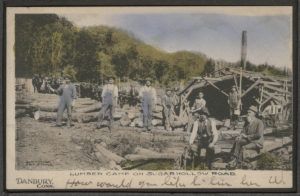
44,107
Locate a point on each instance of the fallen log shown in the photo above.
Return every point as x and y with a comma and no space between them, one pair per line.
157,115
104,154
76,117
20,113
145,154
269,146
156,122
34,107
87,109
125,121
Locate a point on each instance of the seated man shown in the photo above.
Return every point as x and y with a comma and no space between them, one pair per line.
252,137
205,132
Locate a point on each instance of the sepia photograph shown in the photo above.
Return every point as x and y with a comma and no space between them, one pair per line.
149,97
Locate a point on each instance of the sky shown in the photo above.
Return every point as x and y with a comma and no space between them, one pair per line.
216,34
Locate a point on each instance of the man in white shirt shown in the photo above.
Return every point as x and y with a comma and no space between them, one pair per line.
148,99
198,106
205,133
109,100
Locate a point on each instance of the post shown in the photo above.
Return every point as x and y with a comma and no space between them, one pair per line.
243,59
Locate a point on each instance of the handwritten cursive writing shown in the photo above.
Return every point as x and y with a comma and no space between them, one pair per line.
123,184
74,183
276,180
173,181
197,181
219,181
143,184
248,182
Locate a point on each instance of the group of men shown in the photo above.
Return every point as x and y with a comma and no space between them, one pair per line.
201,128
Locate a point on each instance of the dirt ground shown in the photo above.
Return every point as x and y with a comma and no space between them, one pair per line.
41,145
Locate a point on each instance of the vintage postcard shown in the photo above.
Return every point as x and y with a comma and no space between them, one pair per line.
149,97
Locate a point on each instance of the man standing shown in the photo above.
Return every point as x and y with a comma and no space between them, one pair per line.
198,106
148,99
67,93
252,137
204,130
167,106
234,103
109,100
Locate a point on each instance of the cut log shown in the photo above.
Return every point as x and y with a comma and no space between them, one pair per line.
145,154
268,147
157,115
87,109
156,122
216,165
104,154
21,112
158,109
133,115
125,121
117,115
77,117
138,122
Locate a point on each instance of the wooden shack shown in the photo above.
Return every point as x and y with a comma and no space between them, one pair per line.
256,89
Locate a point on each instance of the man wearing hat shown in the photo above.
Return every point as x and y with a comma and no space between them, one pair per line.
234,103
205,132
148,99
167,107
252,137
67,97
109,100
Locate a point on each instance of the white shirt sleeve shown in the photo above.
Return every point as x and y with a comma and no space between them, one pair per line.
154,95
116,92
203,102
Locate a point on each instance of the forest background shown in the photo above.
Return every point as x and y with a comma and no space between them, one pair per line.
49,45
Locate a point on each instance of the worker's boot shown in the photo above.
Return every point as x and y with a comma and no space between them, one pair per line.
69,123
100,118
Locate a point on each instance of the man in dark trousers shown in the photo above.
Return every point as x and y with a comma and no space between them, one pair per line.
252,137
148,98
67,97
109,100
205,132
167,106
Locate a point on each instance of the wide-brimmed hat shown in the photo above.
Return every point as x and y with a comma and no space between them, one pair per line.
253,109
148,79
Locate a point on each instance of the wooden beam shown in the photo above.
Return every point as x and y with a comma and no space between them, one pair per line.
272,83
277,89
235,81
260,99
217,88
273,96
265,101
251,87
257,101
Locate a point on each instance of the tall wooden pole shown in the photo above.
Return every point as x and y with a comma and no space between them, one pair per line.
243,58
